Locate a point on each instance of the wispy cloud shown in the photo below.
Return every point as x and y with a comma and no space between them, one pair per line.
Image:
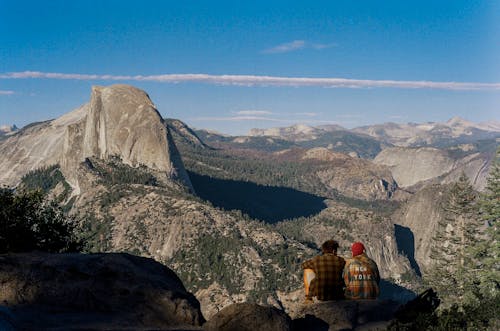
297,45
286,47
253,112
6,92
252,80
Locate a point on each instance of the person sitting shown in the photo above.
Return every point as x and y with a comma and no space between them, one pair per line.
323,274
361,275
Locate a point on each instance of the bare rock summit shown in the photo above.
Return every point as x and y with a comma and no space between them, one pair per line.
120,121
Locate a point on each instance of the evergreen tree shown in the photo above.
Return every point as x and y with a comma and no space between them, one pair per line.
486,275
28,222
456,235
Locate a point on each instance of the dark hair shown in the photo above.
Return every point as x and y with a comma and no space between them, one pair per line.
329,246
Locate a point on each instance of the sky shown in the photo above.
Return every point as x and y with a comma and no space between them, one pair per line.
231,66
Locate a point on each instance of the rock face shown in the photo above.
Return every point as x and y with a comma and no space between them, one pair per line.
419,217
98,291
411,166
35,146
120,121
248,317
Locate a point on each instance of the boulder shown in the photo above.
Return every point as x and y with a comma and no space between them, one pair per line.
248,317
94,291
345,315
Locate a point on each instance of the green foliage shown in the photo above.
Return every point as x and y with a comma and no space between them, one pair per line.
209,261
46,179
485,277
457,234
468,281
95,233
457,317
115,172
28,222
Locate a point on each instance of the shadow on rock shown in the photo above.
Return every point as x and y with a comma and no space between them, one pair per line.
346,315
310,322
391,291
94,291
249,317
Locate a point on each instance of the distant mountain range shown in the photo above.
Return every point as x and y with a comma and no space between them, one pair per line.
454,131
7,129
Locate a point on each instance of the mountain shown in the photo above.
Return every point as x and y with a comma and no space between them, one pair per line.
120,121
184,134
453,132
332,137
297,132
266,144
368,141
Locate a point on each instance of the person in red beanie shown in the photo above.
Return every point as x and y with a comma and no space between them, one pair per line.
361,275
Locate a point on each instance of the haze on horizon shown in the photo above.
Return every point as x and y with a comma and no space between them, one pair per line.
232,67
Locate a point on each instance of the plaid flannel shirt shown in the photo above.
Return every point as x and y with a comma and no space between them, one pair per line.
361,278
328,283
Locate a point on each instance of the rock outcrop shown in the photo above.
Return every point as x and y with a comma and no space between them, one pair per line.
346,315
411,166
119,122
97,291
248,317
354,177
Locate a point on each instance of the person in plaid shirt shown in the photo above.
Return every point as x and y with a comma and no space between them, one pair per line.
327,283
361,275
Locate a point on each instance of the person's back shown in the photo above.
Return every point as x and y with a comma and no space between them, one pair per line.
361,275
328,283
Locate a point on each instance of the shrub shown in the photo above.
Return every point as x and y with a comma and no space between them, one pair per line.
28,222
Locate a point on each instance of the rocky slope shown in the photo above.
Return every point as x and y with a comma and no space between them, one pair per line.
352,177
410,166
119,121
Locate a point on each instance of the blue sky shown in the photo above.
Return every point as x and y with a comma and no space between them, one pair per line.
241,65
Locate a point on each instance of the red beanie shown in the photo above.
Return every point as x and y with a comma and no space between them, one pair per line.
357,248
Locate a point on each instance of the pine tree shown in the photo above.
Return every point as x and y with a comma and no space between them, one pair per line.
456,235
486,275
